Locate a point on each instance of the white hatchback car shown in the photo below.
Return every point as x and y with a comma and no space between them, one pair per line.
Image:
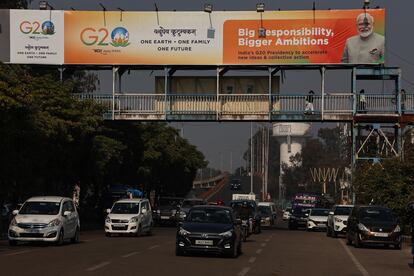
47,218
129,216
317,219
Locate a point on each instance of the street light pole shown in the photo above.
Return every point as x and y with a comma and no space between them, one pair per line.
251,157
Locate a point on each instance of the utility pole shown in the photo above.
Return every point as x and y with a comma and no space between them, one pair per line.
251,157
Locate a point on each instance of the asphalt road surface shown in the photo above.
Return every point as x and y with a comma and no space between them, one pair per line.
276,251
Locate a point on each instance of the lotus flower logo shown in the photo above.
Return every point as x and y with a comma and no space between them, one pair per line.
120,37
48,28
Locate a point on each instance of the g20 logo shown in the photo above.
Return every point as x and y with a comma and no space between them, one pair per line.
119,37
46,28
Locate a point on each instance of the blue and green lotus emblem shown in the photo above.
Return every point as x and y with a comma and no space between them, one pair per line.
48,28
120,37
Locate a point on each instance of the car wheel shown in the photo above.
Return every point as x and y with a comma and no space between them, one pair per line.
178,251
60,238
348,239
75,238
12,242
357,241
239,248
139,231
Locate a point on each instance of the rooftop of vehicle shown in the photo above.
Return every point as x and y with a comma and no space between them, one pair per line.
131,200
47,198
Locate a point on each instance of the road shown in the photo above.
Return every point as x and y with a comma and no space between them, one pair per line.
226,193
276,251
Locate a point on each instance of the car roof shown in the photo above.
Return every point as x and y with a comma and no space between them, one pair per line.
131,200
265,203
212,207
47,198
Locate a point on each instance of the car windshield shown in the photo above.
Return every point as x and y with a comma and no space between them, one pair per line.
40,208
300,211
376,214
210,216
343,211
168,202
320,212
125,208
191,203
265,210
235,181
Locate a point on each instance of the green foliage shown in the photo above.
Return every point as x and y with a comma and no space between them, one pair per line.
390,183
49,140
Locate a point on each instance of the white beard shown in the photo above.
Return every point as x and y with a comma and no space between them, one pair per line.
365,34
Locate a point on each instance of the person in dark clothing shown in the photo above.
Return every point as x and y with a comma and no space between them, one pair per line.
403,98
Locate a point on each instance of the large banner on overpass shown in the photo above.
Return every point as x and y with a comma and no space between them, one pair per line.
191,38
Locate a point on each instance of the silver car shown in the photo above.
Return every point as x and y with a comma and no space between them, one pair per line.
47,219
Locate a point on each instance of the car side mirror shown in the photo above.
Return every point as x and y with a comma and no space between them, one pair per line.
143,211
238,221
67,213
15,212
108,211
331,213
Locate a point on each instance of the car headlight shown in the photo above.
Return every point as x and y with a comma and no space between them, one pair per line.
397,229
158,211
55,222
134,219
338,220
183,214
107,220
226,234
13,222
363,227
183,232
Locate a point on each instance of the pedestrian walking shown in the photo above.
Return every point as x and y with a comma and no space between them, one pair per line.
309,102
362,102
403,99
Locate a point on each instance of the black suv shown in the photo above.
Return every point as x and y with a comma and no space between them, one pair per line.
167,210
373,225
298,217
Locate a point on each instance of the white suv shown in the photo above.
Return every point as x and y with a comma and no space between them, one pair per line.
47,218
129,216
338,220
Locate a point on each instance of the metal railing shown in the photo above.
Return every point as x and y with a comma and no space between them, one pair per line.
259,105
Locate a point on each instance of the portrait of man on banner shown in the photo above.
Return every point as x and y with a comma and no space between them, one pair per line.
366,47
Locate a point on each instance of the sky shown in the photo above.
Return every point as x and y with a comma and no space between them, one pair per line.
221,141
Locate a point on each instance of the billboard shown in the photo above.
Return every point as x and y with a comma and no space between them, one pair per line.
36,37
191,38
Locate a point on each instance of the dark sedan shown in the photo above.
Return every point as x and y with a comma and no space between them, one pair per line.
210,229
373,224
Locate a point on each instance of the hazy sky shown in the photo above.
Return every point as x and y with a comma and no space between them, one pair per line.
218,141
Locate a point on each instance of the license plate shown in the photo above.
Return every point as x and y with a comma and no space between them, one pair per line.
165,217
381,234
32,231
118,225
204,242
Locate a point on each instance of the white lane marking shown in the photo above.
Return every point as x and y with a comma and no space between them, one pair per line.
263,244
18,253
244,271
130,254
363,271
252,260
154,246
258,251
95,267
267,240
